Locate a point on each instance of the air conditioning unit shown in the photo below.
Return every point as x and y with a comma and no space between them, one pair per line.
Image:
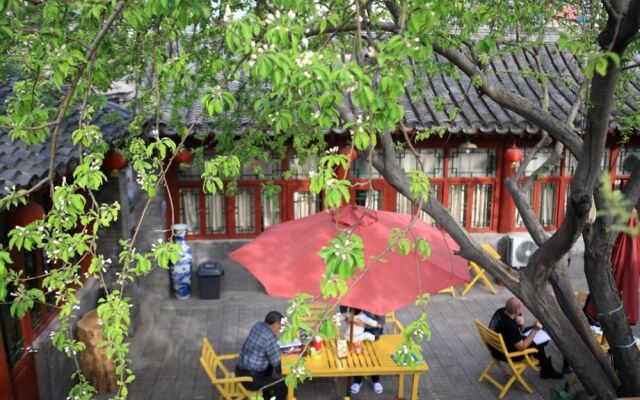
521,247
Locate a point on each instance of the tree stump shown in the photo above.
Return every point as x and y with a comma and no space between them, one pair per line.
95,364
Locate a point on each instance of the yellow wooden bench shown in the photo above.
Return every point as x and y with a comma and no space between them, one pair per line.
517,361
229,385
480,273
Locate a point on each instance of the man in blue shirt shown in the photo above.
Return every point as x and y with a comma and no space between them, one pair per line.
260,358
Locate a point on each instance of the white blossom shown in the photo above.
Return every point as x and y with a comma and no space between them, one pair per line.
227,14
337,319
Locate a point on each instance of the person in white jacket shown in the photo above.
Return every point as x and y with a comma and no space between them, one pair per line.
361,321
366,327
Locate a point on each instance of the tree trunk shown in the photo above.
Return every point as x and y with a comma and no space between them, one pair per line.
537,299
96,366
608,305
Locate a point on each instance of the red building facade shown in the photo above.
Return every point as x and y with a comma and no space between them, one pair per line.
468,181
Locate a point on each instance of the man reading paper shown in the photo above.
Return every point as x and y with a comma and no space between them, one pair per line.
509,322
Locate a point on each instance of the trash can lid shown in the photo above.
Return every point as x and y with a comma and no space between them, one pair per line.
210,268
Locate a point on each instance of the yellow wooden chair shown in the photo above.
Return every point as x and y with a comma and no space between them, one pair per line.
395,324
517,361
229,385
480,273
316,312
451,290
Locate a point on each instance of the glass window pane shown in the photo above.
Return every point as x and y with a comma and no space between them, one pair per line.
547,207
31,271
541,156
567,194
215,213
245,210
189,209
529,197
301,170
479,162
360,168
458,202
618,184
11,334
482,201
260,169
305,204
405,206
571,163
432,161
270,209
628,155
369,198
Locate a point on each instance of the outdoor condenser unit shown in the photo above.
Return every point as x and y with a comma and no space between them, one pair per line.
521,248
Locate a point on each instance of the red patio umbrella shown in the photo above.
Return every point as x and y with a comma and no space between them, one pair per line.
285,258
624,261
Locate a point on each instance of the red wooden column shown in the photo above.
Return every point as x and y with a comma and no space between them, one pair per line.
507,210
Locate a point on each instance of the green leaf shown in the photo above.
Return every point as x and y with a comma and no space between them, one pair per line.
601,66
423,248
404,246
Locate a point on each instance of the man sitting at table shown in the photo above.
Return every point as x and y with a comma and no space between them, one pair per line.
260,358
509,322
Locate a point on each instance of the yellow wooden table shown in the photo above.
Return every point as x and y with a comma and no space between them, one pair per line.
374,360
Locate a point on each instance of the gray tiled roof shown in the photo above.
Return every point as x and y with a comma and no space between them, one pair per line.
475,113
23,165
480,114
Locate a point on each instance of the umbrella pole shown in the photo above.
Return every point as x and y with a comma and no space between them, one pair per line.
351,322
351,348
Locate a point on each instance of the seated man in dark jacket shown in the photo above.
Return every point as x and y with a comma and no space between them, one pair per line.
260,358
509,322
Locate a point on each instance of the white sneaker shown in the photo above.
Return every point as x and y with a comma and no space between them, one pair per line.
355,388
377,387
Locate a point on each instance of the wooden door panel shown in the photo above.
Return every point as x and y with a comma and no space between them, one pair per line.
24,378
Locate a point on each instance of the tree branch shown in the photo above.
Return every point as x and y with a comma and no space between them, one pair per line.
70,91
514,101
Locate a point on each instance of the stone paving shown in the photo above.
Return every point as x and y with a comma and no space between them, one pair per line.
166,345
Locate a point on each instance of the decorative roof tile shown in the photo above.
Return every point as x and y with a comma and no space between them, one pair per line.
23,165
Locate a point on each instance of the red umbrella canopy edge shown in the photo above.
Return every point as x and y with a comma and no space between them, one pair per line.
285,258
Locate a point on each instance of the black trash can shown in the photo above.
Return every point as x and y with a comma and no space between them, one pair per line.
209,275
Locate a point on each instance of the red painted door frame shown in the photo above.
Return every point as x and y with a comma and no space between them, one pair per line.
6,392
23,374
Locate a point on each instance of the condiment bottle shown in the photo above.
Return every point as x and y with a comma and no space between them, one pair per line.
317,343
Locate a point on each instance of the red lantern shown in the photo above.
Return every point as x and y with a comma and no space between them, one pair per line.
114,162
184,157
25,214
514,155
